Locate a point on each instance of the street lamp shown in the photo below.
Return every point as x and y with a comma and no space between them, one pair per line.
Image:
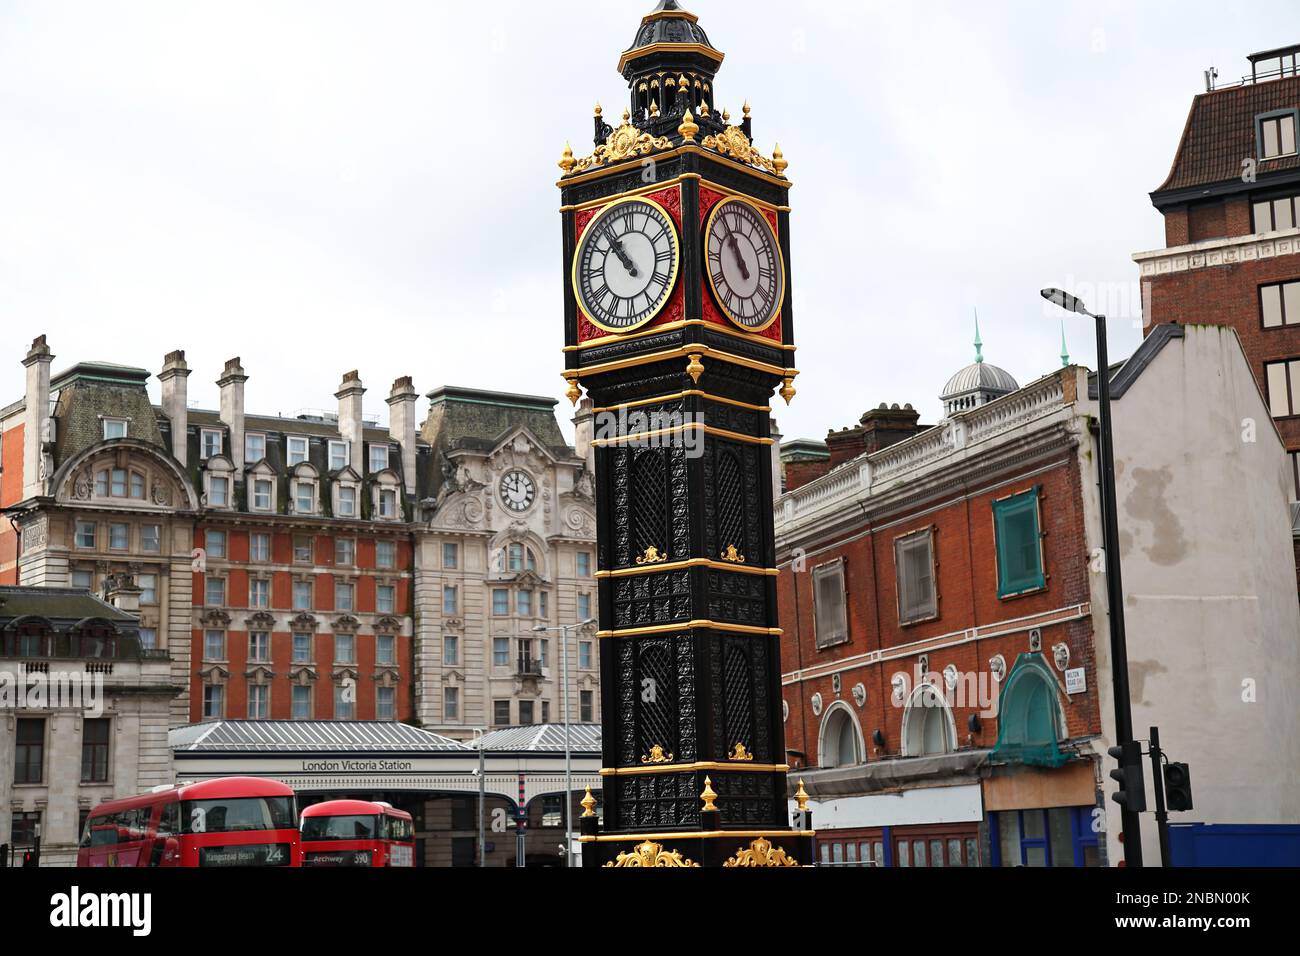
564,630
480,733
1114,580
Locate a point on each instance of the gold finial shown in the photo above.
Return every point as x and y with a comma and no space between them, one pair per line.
588,805
726,116
574,394
801,797
654,108
598,109
708,796
689,127
627,116
704,108
788,392
748,110
778,160
696,367
567,162
683,84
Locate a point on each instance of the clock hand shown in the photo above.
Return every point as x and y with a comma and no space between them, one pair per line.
735,247
623,257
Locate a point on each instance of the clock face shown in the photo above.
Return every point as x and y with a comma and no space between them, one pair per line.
744,264
626,265
518,491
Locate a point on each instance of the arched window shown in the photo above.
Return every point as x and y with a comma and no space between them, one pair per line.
1030,721
928,728
841,742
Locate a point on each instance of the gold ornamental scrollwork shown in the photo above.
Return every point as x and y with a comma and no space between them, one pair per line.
650,854
740,754
732,555
761,853
651,556
626,142
734,143
658,755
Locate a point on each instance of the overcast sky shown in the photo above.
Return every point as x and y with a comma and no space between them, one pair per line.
318,187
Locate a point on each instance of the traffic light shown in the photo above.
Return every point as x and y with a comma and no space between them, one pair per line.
1178,787
1132,794
29,858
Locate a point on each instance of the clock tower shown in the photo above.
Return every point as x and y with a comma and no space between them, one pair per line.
679,327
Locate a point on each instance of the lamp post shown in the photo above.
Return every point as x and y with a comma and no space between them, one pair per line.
564,630
481,732
1114,580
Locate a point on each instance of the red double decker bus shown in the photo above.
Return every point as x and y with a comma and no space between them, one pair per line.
357,833
233,822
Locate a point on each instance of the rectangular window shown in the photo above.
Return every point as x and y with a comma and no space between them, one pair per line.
339,454
378,458
23,828
259,547
385,599
347,502
830,606
501,713
585,655
148,638
1019,545
386,650
114,428
343,595
546,711
584,564
345,552
215,592
386,555
302,648
148,585
500,652
29,751
500,602
524,604
544,651
587,707
94,750
254,449
297,451
914,565
387,503
1277,134
119,537
259,647
259,702
386,703
117,482
584,607
516,557
218,492
343,703
451,703
137,486
450,651
211,443
216,544
214,645
526,713
543,605
450,604
304,497
1279,304
301,703
85,580
451,556
302,595
302,553
259,593
344,649
86,535
262,494
151,539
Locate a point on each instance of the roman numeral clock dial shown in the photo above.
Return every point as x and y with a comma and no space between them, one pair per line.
626,265
745,266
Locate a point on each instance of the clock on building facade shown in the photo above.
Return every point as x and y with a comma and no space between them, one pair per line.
678,306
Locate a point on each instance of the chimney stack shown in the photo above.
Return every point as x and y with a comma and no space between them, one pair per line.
120,590
584,424
887,426
175,402
401,426
36,418
231,384
350,423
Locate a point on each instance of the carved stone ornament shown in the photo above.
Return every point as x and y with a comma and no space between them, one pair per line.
998,668
761,853
817,705
626,142
162,495
581,522
83,486
650,854
1061,654
860,695
951,676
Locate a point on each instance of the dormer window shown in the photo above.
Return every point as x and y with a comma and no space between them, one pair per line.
1277,134
219,492
263,489
297,451
378,459
210,443
1274,214
387,504
339,455
304,497
254,449
387,500
347,502
114,428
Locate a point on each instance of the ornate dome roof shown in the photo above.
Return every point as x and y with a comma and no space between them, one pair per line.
976,384
669,25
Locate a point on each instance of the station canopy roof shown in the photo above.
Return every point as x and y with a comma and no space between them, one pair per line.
308,736
547,738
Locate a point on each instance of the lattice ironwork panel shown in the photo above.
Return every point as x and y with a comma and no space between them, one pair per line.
738,695
657,699
652,599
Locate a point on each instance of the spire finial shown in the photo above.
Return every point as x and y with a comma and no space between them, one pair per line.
1065,351
979,344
